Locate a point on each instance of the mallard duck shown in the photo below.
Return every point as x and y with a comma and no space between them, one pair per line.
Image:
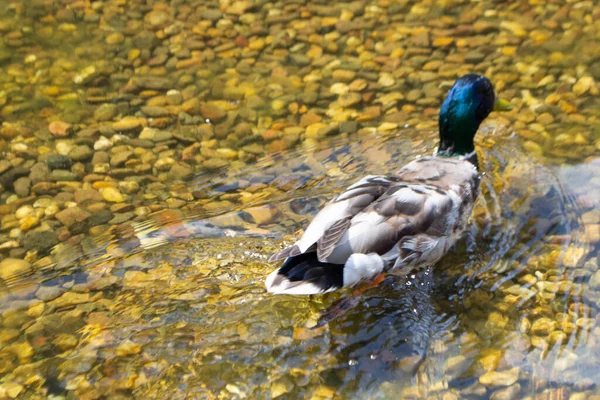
395,223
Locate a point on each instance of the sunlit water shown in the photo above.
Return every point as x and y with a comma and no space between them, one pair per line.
173,305
187,291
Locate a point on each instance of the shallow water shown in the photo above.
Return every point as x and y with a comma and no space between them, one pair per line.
167,299
177,306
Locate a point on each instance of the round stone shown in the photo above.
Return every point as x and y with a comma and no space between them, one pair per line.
112,195
115,38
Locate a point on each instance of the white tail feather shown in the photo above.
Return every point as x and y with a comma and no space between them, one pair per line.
361,267
279,284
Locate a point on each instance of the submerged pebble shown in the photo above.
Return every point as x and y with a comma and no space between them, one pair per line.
122,122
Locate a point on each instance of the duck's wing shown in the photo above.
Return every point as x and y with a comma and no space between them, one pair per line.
359,248
416,220
404,210
333,220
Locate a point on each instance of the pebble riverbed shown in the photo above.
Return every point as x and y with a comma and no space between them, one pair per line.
124,123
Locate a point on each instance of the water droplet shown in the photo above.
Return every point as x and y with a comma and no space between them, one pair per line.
373,356
352,363
207,121
408,283
406,125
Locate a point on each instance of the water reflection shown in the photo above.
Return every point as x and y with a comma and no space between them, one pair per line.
177,301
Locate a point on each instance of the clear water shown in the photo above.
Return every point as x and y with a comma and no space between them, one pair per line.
189,290
173,305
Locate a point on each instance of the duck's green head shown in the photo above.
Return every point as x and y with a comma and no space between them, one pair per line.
469,102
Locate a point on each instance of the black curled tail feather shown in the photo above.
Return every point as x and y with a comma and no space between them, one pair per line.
305,274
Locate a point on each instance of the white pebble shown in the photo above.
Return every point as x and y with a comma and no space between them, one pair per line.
24,211
12,198
51,210
102,144
118,138
43,202
339,88
63,147
15,233
19,147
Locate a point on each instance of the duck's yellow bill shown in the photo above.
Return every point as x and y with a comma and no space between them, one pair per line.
502,105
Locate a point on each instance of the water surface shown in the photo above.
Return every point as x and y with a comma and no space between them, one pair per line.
206,135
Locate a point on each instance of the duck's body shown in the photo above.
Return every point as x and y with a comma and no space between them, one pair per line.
385,223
